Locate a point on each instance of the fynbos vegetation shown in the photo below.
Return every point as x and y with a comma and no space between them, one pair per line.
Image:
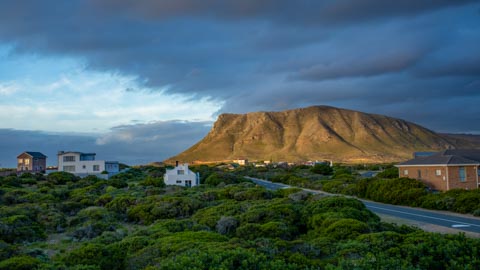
134,222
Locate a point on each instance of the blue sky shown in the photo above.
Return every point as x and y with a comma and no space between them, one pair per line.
142,82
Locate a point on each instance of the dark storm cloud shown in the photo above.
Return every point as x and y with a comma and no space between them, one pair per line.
309,12
270,55
131,144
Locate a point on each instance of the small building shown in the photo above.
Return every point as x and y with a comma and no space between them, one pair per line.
33,162
181,175
449,169
241,161
84,164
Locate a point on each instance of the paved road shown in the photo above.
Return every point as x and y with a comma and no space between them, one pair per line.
464,223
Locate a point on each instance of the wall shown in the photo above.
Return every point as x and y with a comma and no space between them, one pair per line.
22,166
112,167
172,177
83,167
86,166
62,163
429,177
470,177
39,164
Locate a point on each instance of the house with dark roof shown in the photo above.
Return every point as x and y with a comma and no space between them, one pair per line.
33,162
449,169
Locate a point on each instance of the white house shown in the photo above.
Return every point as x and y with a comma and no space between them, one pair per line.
83,164
241,161
181,176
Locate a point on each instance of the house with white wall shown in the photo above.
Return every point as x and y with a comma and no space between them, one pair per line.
241,161
181,175
83,164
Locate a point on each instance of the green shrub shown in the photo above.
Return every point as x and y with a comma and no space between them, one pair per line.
20,228
20,263
346,229
61,178
388,173
153,181
105,257
322,168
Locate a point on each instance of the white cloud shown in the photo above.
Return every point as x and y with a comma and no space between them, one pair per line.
7,89
78,100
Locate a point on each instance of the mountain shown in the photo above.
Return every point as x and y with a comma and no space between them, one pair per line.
316,133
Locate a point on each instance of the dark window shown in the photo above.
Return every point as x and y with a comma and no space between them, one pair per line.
68,158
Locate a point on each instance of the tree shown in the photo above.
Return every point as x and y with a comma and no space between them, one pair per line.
322,168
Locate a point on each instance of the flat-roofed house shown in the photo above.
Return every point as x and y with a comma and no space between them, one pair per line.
449,169
33,162
83,164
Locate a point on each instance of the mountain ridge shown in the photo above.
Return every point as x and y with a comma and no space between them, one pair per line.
316,133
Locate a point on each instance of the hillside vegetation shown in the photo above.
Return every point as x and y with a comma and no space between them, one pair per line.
385,187
134,222
317,133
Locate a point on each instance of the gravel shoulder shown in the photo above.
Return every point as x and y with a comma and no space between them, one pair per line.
425,226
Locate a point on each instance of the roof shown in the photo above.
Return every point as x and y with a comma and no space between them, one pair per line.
447,157
35,154
423,154
75,152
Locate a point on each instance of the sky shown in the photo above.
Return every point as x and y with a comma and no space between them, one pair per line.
140,81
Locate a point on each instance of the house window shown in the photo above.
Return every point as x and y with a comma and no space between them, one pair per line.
96,168
419,172
26,161
20,161
438,172
405,172
179,181
180,172
69,159
84,167
461,173
69,168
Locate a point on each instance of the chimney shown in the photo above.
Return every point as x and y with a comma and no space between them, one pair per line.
176,163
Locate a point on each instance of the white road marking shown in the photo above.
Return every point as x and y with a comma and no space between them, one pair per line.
443,219
460,225
455,225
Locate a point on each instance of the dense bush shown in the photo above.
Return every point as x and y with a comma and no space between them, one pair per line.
20,228
216,178
322,168
92,223
396,191
61,178
153,181
20,263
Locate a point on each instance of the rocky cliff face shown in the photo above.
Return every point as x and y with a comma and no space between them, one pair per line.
315,133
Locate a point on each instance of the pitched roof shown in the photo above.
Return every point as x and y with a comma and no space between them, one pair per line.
36,154
447,157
